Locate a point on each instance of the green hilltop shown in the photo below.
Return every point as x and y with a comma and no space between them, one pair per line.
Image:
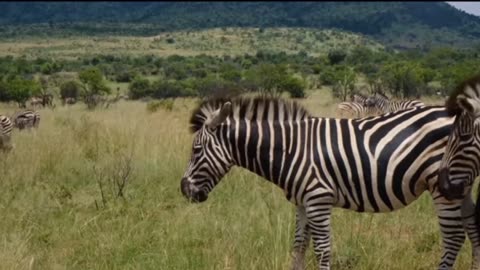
396,24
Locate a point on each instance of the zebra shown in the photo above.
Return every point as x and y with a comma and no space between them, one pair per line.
374,164
355,109
385,105
6,125
359,98
26,119
461,163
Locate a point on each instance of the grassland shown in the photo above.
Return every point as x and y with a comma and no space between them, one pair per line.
53,215
218,41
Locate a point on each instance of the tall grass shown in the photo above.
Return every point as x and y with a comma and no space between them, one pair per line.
54,215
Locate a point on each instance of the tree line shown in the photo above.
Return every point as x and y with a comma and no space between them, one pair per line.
406,74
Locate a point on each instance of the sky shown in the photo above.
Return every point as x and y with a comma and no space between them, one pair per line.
469,7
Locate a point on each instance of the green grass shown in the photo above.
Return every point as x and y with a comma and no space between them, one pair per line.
53,216
217,41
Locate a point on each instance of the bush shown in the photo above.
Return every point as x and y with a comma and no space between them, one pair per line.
294,86
139,88
70,89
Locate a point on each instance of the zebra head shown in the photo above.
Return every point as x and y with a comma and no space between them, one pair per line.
461,162
209,160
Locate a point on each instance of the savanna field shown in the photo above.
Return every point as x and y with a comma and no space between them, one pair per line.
61,207
100,189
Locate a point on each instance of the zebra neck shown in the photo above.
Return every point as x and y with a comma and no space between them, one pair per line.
261,147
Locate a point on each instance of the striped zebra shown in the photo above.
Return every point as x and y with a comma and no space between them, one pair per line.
376,164
26,119
352,109
359,98
461,163
6,124
385,105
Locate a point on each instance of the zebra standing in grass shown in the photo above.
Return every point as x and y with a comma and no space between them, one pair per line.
385,105
26,119
5,133
461,163
376,164
6,124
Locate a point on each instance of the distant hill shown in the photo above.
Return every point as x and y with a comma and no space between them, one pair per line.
399,24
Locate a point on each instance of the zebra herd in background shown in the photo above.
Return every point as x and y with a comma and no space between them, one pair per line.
21,120
362,106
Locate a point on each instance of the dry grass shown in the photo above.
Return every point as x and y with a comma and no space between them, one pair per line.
53,216
227,41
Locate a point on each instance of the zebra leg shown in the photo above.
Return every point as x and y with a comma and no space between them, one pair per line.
453,234
302,239
319,216
470,226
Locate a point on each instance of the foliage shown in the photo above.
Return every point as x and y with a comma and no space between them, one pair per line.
402,24
70,89
294,86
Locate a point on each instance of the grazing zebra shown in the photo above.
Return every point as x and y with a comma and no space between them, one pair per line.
376,164
6,125
351,109
26,119
385,105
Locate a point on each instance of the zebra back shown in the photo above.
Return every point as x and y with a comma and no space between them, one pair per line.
6,125
26,119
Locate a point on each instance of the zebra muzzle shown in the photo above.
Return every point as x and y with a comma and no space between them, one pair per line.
192,193
451,191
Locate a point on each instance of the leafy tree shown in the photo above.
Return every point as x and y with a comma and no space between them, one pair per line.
20,90
93,86
294,86
345,81
70,89
139,87
336,56
404,78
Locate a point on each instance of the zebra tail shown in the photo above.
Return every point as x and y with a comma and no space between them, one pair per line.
477,211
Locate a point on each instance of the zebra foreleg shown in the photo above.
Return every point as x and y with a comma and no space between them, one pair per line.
319,216
469,225
453,233
302,239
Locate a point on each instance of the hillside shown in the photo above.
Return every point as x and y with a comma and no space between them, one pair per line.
215,41
402,25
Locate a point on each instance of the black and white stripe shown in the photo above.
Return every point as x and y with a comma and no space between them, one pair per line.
6,124
385,105
351,109
376,164
26,119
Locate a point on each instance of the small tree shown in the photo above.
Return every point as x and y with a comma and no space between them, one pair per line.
345,82
139,87
93,86
294,86
20,90
70,89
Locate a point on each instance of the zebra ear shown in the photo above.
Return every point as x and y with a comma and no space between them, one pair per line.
469,105
220,115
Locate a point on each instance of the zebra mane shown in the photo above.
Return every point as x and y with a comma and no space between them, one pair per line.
472,83
257,108
382,95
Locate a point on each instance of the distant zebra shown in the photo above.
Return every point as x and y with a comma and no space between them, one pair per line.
351,109
359,98
6,124
378,164
26,119
385,105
